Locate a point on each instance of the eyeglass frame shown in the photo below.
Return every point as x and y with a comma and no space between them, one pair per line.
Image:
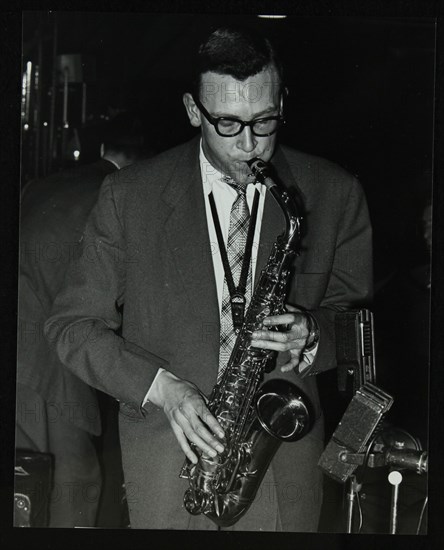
214,121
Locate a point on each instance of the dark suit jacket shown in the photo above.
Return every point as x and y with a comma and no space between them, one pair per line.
53,214
146,246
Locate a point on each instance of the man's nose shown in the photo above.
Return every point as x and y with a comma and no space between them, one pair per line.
247,140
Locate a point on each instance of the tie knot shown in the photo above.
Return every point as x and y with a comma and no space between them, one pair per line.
241,188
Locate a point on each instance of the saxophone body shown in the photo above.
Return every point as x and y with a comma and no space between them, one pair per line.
255,417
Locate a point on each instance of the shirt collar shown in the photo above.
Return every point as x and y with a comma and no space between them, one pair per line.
209,173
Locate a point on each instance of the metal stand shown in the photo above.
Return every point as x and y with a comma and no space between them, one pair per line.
409,459
353,489
395,479
392,448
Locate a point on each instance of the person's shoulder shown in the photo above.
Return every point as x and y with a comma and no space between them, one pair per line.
317,170
63,195
72,179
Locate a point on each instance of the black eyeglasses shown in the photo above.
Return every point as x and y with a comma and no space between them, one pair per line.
229,127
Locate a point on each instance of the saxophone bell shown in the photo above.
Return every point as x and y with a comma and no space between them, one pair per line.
284,410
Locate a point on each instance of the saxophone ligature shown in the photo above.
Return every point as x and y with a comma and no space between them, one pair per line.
256,417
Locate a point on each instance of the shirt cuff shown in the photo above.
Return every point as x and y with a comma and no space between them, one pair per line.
152,393
308,358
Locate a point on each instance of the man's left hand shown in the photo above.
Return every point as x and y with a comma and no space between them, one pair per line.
293,337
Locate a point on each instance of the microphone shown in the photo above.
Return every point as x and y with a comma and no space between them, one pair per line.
355,350
407,459
358,424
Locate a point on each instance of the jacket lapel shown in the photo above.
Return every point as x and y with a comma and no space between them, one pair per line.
187,234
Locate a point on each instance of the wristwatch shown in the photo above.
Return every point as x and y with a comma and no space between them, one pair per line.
313,329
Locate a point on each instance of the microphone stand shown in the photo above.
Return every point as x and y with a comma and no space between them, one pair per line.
408,459
395,479
353,489
361,439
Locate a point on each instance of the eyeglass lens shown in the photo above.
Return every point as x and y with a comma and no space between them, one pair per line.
259,128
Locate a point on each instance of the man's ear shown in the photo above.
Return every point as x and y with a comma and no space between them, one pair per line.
102,149
281,106
192,110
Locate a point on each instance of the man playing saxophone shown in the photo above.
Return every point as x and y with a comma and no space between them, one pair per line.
178,242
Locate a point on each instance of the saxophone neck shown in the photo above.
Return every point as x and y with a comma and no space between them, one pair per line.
291,237
293,217
293,220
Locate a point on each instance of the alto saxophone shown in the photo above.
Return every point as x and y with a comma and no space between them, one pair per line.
256,419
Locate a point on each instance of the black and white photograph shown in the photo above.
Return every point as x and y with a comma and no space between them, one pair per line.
224,272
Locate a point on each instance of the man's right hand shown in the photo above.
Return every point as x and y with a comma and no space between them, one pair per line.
188,415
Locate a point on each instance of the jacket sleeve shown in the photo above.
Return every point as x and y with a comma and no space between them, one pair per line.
350,283
84,322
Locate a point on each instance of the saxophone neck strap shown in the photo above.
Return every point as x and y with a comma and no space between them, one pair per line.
237,294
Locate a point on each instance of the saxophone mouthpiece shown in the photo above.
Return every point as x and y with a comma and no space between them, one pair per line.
261,172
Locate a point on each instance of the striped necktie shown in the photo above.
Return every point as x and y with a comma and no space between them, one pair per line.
237,238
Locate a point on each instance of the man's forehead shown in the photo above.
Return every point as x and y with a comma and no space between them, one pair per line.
263,87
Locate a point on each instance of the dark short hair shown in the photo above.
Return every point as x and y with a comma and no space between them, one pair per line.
236,51
124,134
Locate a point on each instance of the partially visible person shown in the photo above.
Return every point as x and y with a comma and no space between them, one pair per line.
57,413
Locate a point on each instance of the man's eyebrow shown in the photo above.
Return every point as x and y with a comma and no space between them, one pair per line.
220,114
